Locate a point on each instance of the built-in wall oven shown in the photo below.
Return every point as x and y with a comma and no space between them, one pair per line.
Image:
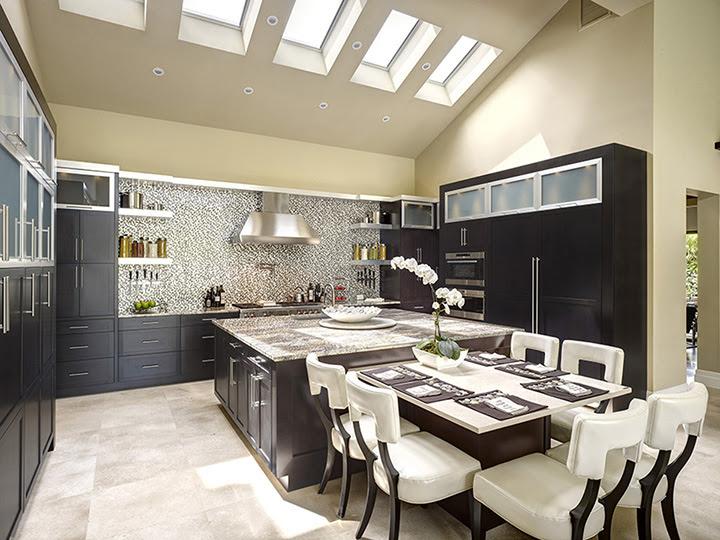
465,269
474,307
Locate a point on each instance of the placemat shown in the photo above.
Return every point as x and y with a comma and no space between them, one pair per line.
478,402
488,359
550,388
521,371
403,375
446,390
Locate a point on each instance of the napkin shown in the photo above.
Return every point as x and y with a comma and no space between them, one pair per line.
506,405
539,368
491,356
574,389
388,375
424,390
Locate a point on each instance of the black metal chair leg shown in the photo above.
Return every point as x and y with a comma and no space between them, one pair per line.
580,514
643,523
329,463
369,500
478,529
648,485
610,500
394,532
392,478
345,486
668,510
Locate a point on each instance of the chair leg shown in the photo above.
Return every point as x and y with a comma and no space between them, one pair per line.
329,463
644,514
345,487
668,510
369,500
394,532
478,529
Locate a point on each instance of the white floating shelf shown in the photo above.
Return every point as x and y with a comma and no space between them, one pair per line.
370,262
373,226
142,212
145,261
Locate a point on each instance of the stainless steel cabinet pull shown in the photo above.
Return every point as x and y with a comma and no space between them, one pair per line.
532,294
76,277
31,311
148,341
207,320
208,337
208,360
5,327
233,361
537,294
77,241
48,290
78,347
78,374
82,249
236,345
148,323
82,327
5,241
151,366
82,277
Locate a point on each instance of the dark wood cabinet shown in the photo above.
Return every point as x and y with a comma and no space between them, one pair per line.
263,404
222,366
11,478
86,290
11,340
32,449
31,327
47,409
68,282
67,249
86,237
48,318
242,387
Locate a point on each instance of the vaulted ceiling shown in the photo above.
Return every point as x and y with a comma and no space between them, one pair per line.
90,63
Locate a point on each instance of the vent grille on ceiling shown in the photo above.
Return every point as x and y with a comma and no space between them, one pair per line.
590,13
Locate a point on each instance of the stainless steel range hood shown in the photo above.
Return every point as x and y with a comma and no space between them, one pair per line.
275,225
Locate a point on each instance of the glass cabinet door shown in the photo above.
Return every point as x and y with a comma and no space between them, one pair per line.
572,184
418,215
85,190
48,152
9,95
32,216
465,204
46,231
513,195
10,205
31,126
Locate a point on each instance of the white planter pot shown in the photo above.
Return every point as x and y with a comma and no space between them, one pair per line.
438,362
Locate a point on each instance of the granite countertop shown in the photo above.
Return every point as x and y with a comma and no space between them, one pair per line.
198,311
289,337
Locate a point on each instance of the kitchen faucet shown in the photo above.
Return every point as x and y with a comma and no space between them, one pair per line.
332,293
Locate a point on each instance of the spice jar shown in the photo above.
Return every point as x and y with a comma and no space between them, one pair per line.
134,248
356,252
141,247
162,247
382,252
152,249
363,253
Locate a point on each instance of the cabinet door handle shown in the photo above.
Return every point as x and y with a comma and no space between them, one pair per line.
5,326
233,361
83,327
31,311
148,323
207,320
149,341
77,243
82,277
537,294
236,345
76,277
48,290
82,249
151,366
208,337
78,347
208,360
79,374
5,255
532,294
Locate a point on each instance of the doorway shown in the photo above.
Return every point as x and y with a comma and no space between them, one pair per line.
691,285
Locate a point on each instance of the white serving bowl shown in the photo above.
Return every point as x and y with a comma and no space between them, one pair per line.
438,362
351,314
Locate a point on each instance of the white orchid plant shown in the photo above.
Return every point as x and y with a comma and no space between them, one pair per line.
443,299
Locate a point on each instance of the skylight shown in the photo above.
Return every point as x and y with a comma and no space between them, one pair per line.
457,55
395,31
224,11
310,22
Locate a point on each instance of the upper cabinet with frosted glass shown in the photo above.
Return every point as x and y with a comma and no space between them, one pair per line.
569,185
417,215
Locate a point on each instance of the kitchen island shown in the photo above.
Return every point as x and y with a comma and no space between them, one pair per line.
261,381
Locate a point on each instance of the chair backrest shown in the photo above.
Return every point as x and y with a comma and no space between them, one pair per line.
669,410
330,377
594,435
548,345
612,358
379,403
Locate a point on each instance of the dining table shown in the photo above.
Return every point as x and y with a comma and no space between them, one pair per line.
482,431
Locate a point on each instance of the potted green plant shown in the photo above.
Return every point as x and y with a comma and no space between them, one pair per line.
439,351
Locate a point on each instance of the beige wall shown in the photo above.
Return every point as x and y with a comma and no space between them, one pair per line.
566,91
686,123
157,146
18,17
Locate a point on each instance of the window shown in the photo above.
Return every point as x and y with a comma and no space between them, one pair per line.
224,11
457,55
310,22
393,34
130,13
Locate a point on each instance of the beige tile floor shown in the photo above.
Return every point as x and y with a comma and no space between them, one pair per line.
164,463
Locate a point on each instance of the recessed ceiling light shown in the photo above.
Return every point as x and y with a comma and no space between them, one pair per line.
158,71
323,105
385,119
248,90
357,45
426,66
272,20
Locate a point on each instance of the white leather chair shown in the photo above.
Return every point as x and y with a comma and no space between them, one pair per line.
417,468
340,435
612,358
520,342
653,480
554,501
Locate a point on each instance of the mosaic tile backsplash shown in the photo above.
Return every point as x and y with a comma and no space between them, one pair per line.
198,242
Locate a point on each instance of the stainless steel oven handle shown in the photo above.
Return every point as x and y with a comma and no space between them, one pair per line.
472,294
462,261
